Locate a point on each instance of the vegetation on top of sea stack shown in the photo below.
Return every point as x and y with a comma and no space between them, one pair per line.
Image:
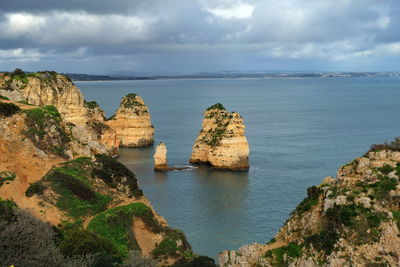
131,101
218,106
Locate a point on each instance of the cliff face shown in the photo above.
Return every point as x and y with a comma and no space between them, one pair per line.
221,141
94,195
51,88
132,122
353,220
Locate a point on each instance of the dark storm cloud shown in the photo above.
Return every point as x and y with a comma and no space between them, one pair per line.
200,35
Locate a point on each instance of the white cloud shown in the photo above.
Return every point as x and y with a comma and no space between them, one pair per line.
76,27
228,9
20,55
22,23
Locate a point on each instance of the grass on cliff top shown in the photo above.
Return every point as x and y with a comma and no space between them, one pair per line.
8,109
115,225
75,192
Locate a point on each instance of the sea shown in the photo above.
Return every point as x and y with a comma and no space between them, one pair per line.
299,131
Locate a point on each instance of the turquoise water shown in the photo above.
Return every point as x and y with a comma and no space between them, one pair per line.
299,131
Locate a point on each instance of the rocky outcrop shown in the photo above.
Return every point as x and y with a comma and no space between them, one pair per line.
95,192
160,157
221,141
353,220
51,88
132,122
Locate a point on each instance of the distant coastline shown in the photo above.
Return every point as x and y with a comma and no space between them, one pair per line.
234,75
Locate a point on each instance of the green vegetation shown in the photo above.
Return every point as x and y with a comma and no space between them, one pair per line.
130,101
115,225
91,104
6,176
393,145
386,169
74,241
396,217
284,255
313,194
7,209
4,97
169,245
39,121
8,109
324,240
218,106
75,193
36,188
364,222
115,174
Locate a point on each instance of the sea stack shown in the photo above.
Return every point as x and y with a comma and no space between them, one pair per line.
132,122
160,157
221,141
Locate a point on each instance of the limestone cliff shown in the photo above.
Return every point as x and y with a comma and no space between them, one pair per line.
353,220
132,122
221,141
89,199
51,88
160,157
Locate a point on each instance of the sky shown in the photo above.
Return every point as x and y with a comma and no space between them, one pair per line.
191,36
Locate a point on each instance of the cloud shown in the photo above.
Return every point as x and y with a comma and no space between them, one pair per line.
200,35
229,9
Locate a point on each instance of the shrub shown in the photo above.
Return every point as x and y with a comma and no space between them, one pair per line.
76,186
36,188
166,247
324,240
91,104
26,241
115,174
393,145
8,109
39,121
292,250
7,209
6,176
115,224
311,200
79,242
4,97
386,169
136,260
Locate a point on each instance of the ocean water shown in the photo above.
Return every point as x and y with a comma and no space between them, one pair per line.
299,131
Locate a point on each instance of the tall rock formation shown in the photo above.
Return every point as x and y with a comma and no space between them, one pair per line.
86,120
221,141
160,157
353,220
132,122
